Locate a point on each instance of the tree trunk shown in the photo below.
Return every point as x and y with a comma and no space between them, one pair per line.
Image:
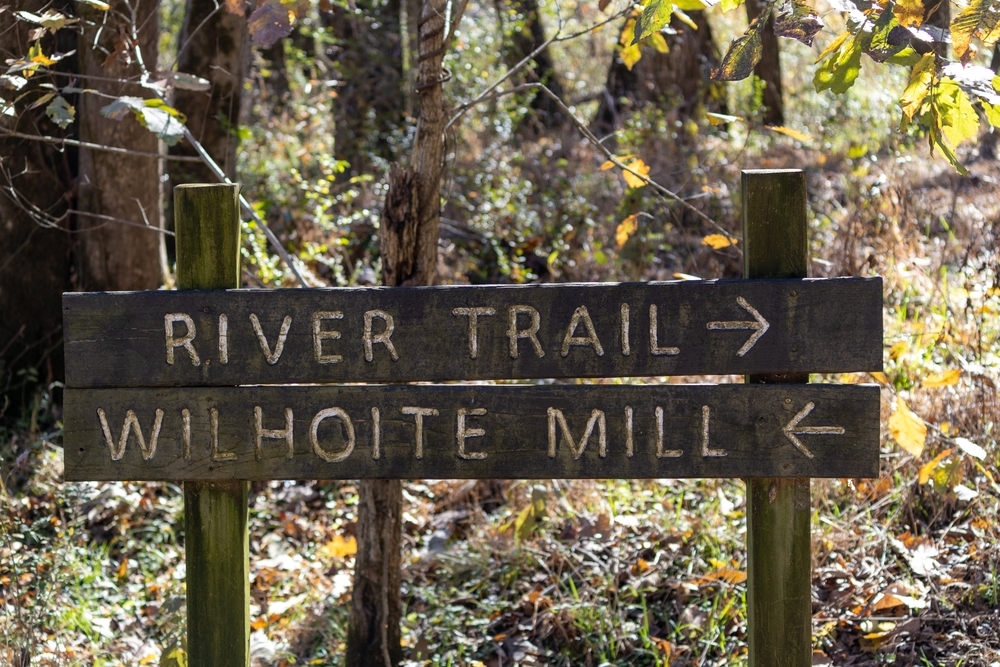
522,38
213,45
116,189
370,108
34,250
678,80
409,234
768,70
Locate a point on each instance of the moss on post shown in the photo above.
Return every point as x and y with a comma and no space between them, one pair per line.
207,223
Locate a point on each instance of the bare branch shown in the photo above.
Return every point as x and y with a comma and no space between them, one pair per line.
96,147
661,190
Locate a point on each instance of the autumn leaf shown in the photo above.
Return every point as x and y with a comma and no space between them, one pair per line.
630,52
721,118
641,168
979,19
743,54
971,448
339,547
236,7
800,24
790,132
839,71
921,79
61,112
655,15
927,469
909,13
907,429
942,379
626,228
269,22
717,241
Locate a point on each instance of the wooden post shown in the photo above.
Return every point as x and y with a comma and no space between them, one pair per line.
207,223
779,593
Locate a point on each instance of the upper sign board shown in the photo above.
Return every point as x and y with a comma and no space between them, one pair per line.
250,337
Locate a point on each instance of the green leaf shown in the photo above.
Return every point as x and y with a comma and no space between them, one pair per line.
800,24
729,5
992,112
921,79
61,112
655,15
841,69
173,657
744,53
959,120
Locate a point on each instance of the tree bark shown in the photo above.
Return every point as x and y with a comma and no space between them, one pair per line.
678,80
34,253
768,70
113,255
213,45
409,241
524,37
370,108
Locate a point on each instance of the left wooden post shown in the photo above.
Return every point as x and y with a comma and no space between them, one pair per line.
207,224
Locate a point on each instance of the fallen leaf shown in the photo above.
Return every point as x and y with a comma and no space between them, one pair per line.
922,560
942,379
718,241
721,118
927,469
907,429
971,448
339,547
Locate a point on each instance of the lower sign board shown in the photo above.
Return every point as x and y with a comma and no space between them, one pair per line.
463,431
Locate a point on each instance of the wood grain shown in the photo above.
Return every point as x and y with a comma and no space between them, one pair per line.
119,339
746,422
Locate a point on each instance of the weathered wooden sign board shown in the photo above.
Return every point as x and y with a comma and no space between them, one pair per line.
463,431
239,337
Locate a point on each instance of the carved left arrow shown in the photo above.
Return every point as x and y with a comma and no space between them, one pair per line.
759,327
793,429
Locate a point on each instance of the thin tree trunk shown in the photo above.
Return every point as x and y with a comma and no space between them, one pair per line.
525,37
678,80
768,70
370,108
115,256
409,234
213,45
34,254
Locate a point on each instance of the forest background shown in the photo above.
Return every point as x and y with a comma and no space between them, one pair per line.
409,142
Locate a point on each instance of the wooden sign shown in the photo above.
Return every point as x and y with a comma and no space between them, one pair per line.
463,431
235,337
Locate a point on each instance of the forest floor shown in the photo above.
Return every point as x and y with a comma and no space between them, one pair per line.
906,568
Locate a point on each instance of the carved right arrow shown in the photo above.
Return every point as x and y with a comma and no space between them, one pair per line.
793,429
759,327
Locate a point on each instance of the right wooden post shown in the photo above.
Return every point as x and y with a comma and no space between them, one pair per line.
779,560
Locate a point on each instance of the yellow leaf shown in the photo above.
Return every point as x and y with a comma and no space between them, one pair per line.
927,469
942,379
640,167
659,42
833,46
921,77
626,228
789,132
608,164
339,547
721,118
880,377
907,429
718,241
630,53
909,13
899,349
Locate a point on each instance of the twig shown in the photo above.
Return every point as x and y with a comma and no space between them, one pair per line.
96,147
663,191
221,175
